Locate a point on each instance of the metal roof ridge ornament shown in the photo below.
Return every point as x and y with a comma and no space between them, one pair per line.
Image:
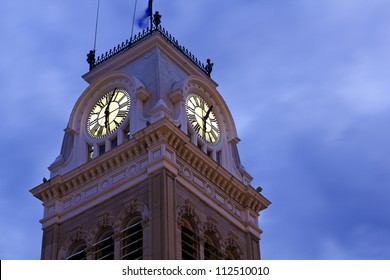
141,36
156,20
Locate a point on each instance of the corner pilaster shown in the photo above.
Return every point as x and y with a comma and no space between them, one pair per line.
162,201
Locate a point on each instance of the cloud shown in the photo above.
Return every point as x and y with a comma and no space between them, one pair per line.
18,235
360,242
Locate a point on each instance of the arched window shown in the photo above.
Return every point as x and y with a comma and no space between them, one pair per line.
211,250
77,251
104,248
232,253
132,241
189,243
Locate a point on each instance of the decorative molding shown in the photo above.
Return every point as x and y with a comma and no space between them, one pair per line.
160,111
176,95
245,195
77,234
208,188
210,225
132,158
142,94
102,186
231,243
187,211
70,131
132,208
103,220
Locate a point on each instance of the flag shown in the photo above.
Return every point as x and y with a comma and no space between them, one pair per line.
142,21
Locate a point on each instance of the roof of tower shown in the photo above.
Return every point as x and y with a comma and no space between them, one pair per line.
142,36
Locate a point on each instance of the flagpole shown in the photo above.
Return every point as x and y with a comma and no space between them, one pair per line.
96,25
132,27
150,7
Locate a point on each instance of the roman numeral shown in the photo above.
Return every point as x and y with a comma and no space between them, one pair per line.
213,135
197,100
94,129
121,98
208,138
197,127
192,100
192,109
113,126
123,105
192,118
100,104
100,131
92,123
122,114
214,125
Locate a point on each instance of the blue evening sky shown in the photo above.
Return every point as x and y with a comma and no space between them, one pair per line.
308,84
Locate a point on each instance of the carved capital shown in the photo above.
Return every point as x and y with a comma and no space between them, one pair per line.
145,222
186,210
76,234
132,206
89,251
117,237
104,220
189,208
210,225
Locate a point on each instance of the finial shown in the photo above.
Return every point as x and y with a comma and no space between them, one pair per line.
91,59
209,67
259,189
156,19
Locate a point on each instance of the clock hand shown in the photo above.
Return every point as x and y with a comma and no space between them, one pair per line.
107,111
106,115
112,96
208,113
204,129
205,120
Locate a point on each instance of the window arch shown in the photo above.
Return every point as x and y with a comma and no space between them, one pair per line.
78,251
104,248
210,248
132,240
189,242
231,253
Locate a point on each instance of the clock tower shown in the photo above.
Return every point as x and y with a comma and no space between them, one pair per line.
149,166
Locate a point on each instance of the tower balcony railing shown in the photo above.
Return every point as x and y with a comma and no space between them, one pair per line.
140,37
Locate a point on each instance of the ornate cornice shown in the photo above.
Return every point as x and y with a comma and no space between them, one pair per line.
245,195
160,132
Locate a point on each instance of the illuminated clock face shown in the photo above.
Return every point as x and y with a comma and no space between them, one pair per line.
108,113
202,118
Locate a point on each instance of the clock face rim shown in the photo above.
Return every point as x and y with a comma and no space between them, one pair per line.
119,108
195,118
